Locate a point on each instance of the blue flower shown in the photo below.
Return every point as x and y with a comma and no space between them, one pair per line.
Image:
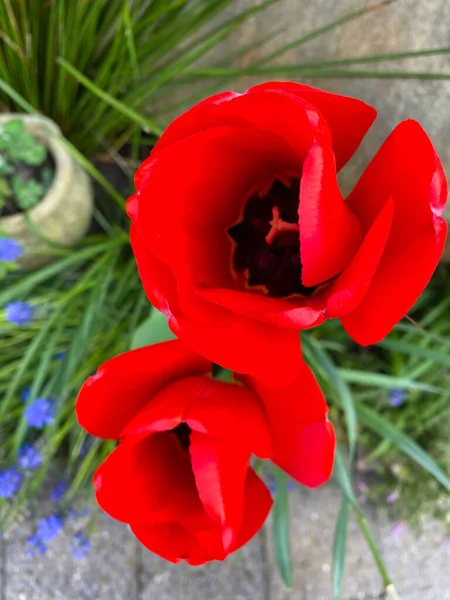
9,249
48,528
397,396
39,413
19,313
81,545
25,394
10,481
36,545
272,486
29,457
58,492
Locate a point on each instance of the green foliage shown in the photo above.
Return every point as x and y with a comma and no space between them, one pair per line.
27,193
19,145
152,331
19,149
281,533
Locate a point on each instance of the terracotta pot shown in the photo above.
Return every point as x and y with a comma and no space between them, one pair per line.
64,214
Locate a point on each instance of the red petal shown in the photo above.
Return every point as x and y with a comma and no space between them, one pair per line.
193,120
206,180
157,279
329,232
291,314
126,383
303,440
220,469
149,481
284,115
257,503
407,168
223,410
348,118
173,542
350,288
245,346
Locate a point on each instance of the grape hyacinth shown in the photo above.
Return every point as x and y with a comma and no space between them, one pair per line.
29,457
25,394
81,545
48,529
19,313
10,249
39,413
397,397
58,492
10,481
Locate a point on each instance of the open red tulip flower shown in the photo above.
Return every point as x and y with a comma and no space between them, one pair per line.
180,475
242,236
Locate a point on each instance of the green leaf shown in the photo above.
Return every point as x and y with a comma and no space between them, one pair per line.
339,549
404,443
342,478
338,386
5,167
224,375
27,193
152,331
281,538
5,190
47,177
381,380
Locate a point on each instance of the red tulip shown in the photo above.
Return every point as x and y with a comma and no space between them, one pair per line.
242,236
180,475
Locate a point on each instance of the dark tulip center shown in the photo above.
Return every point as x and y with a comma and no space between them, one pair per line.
267,241
182,432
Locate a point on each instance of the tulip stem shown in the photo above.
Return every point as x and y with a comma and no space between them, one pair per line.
388,585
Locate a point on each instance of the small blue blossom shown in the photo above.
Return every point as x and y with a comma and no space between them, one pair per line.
272,487
10,481
58,492
25,394
19,313
49,528
397,396
60,356
84,512
81,545
29,457
9,249
36,546
392,497
39,413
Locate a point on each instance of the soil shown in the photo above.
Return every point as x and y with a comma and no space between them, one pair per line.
26,173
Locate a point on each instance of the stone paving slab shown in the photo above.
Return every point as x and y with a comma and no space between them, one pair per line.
419,564
107,573
117,568
241,577
313,518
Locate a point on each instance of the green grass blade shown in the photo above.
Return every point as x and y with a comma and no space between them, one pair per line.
338,386
384,381
339,549
404,443
281,537
413,349
147,124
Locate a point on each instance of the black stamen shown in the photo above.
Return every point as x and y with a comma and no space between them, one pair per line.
182,432
277,265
